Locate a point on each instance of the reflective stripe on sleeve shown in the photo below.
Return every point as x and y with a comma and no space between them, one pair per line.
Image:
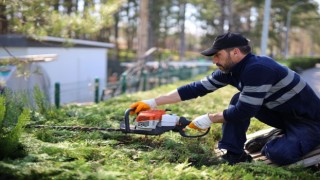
262,88
250,100
210,84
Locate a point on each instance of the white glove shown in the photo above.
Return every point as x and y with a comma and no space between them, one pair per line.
201,122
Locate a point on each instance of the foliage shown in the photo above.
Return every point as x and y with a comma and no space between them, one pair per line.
117,22
2,110
160,54
44,18
62,154
13,118
299,64
43,106
302,63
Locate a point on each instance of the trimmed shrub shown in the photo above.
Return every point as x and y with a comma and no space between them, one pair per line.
299,64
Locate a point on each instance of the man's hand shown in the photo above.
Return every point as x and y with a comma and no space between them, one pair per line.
143,105
201,123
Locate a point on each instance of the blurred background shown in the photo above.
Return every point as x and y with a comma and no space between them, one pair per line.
179,27
134,33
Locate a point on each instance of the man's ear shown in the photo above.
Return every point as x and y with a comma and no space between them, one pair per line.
236,51
237,54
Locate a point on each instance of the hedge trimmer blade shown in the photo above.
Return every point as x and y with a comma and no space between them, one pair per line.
75,128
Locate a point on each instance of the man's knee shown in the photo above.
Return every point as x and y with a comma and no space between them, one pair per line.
281,154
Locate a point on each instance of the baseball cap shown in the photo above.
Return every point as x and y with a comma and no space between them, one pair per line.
224,41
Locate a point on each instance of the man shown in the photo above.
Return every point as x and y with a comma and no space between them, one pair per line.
269,92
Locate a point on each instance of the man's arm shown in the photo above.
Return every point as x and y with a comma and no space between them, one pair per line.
205,121
170,98
217,117
174,97
193,90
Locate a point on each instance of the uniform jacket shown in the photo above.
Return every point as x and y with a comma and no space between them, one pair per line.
262,82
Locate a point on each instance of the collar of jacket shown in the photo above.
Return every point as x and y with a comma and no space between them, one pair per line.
237,68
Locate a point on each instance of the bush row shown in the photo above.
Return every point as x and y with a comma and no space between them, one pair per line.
299,64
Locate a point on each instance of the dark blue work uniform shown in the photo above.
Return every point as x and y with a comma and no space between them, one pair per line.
273,94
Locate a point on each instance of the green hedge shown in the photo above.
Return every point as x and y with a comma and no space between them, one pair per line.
301,63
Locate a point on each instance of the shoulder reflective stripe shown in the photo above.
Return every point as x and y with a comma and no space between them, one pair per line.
287,96
205,82
263,88
282,83
250,100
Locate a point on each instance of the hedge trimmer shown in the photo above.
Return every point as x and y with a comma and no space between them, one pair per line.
150,122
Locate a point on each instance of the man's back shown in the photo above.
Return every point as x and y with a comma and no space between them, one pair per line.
289,93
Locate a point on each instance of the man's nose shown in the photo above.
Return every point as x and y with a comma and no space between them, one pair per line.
215,60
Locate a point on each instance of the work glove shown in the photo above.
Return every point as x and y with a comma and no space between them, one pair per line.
201,123
143,105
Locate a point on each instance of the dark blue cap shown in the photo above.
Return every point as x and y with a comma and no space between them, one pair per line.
225,41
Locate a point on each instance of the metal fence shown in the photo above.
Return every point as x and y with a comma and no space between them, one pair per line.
78,92
94,92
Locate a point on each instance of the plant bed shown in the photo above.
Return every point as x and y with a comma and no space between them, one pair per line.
62,154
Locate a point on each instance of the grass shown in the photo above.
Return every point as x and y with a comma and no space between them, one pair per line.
61,154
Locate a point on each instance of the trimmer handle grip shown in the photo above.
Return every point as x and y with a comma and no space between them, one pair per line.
127,119
182,124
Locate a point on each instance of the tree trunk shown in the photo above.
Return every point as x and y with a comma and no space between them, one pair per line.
76,6
56,5
226,17
229,14
68,5
182,18
151,28
116,35
222,16
143,28
3,19
131,28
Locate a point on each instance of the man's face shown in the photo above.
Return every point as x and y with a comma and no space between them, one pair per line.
223,60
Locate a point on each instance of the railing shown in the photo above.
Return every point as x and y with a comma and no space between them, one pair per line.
149,80
90,91
77,92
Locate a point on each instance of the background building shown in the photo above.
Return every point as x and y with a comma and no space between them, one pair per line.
77,64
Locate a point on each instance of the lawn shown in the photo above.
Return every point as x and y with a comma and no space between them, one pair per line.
63,154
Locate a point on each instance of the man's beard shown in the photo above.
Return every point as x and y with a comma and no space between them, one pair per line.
226,68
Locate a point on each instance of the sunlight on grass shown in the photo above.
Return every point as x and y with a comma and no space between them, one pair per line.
61,154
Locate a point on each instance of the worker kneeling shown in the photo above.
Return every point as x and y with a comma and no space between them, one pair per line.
270,92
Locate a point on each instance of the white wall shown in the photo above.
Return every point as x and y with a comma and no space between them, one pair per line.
14,51
27,83
75,69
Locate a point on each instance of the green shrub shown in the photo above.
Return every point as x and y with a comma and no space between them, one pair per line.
43,105
13,119
42,109
299,64
2,111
